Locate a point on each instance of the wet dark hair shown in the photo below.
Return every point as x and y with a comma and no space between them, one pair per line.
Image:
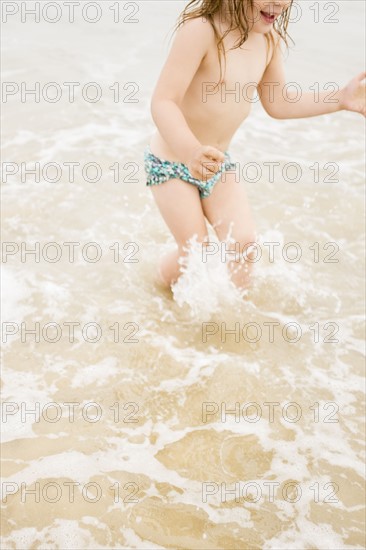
237,14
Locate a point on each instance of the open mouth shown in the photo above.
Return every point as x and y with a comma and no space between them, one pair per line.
268,17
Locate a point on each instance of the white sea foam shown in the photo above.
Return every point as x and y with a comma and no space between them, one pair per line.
205,287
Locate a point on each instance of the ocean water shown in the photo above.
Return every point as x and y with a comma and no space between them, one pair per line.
197,419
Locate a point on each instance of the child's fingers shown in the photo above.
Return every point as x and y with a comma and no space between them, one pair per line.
212,161
214,154
210,166
208,163
204,172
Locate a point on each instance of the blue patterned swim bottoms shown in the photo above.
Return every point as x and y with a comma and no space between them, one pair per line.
159,171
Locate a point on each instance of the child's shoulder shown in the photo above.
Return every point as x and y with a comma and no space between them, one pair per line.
196,28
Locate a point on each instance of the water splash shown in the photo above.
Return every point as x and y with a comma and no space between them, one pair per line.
205,287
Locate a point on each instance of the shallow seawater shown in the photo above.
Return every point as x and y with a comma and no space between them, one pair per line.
197,418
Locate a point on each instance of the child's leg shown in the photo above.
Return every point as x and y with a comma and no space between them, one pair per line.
180,205
226,209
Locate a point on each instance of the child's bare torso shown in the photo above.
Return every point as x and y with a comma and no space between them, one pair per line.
214,114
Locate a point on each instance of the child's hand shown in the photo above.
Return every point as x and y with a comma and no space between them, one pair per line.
205,162
353,96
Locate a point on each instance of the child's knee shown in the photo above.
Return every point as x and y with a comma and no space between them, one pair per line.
248,239
241,249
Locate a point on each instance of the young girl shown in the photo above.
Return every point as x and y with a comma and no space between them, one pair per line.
204,93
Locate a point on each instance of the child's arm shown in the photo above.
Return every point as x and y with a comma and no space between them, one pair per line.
273,95
189,48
